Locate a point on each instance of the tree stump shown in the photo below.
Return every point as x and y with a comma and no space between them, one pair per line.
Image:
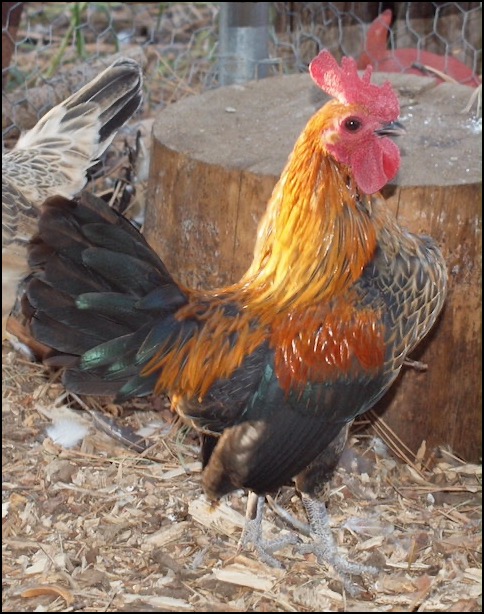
215,160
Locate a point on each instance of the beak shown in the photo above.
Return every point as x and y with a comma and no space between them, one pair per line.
391,129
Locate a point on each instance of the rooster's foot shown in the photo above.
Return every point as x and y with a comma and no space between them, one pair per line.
252,533
325,549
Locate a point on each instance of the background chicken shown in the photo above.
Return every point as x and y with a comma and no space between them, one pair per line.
270,370
408,59
54,158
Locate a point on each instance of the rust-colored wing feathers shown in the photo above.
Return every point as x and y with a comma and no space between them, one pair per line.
325,342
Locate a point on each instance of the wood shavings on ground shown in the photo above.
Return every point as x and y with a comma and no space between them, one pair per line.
102,527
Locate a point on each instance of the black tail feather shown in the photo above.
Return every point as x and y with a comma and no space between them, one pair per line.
100,297
62,337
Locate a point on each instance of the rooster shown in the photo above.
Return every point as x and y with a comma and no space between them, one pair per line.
408,60
272,369
55,157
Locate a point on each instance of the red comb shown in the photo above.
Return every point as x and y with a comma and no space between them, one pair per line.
344,84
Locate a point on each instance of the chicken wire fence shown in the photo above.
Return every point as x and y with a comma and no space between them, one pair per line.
51,48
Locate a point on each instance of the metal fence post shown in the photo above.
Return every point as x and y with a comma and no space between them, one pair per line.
244,49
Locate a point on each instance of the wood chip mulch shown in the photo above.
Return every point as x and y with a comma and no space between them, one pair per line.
118,522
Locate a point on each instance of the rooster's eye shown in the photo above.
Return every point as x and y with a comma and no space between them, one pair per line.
352,124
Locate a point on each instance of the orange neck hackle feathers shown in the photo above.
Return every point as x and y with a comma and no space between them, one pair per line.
315,237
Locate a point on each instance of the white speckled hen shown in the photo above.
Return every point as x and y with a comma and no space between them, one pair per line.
54,157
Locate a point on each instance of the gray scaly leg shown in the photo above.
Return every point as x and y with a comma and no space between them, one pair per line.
325,548
252,533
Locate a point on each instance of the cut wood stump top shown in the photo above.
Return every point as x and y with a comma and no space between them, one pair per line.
254,127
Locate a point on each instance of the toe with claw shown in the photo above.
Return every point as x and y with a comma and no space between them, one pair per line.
252,533
323,546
